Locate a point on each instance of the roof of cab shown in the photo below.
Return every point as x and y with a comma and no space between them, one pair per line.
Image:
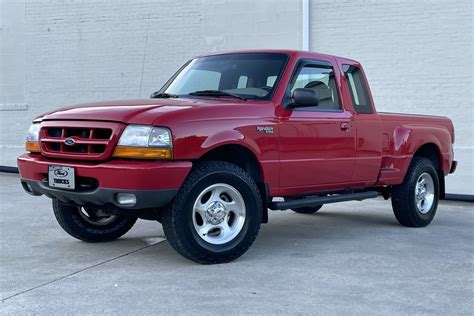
291,52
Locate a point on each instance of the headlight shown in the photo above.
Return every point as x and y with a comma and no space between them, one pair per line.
32,137
33,133
145,136
160,137
144,142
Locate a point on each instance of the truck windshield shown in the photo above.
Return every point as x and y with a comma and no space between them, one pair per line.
240,75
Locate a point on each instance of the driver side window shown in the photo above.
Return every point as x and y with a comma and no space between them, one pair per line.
319,78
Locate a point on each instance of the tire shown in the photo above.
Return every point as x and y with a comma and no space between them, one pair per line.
216,215
87,225
307,210
415,201
304,210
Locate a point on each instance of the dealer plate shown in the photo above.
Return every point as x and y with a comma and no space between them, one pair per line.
61,177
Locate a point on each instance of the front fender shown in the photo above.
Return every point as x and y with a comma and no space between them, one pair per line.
229,137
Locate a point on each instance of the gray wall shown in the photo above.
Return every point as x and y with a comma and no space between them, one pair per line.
79,51
417,54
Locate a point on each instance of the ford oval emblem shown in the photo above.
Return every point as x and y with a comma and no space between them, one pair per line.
60,173
69,141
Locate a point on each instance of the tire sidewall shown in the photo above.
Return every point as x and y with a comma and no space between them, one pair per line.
71,221
76,219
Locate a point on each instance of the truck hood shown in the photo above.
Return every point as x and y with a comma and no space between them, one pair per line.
130,111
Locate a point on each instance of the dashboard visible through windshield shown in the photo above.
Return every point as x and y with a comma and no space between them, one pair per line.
241,75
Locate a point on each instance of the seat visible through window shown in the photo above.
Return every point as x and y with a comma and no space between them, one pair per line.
321,79
325,94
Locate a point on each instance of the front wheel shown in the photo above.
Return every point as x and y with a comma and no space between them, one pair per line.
415,201
216,214
91,224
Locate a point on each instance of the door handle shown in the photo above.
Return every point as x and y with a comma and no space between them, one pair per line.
345,126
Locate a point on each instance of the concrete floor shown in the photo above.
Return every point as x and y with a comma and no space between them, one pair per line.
351,258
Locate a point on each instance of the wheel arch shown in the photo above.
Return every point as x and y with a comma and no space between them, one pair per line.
430,151
243,157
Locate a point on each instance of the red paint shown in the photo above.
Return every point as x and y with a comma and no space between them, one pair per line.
308,152
118,174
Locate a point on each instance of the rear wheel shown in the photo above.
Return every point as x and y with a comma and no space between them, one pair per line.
304,210
216,214
91,224
415,201
307,210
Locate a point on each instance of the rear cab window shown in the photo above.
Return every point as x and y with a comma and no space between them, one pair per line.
358,89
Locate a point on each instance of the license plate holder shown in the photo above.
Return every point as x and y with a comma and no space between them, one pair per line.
61,177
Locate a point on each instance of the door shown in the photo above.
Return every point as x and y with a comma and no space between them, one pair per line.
369,139
317,144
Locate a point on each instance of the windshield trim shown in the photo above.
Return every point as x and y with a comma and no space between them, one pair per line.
267,98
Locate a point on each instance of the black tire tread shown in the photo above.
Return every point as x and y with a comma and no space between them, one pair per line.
86,232
307,210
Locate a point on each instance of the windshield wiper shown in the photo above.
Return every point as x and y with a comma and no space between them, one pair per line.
163,95
216,93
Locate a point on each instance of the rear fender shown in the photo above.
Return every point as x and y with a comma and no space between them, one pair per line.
441,138
406,140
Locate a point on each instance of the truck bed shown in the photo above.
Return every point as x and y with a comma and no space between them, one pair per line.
404,134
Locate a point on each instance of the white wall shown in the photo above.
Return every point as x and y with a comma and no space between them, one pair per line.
12,56
417,54
80,51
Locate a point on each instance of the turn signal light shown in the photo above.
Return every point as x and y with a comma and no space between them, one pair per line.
32,147
142,152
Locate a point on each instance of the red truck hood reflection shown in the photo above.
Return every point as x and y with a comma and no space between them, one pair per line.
144,111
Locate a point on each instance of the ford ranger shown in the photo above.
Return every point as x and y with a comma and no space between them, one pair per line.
228,137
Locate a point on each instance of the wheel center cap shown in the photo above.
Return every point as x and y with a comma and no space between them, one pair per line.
216,213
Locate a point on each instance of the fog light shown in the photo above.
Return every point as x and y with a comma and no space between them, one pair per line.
127,199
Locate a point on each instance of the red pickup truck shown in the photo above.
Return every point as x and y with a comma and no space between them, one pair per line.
228,137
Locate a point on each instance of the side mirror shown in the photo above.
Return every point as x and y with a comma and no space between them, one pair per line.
302,97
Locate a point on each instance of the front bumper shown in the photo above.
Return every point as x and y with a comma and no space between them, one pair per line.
102,197
153,183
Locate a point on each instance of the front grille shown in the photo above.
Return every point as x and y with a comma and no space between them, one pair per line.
79,140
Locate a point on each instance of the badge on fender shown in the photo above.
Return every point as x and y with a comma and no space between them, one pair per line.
265,129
